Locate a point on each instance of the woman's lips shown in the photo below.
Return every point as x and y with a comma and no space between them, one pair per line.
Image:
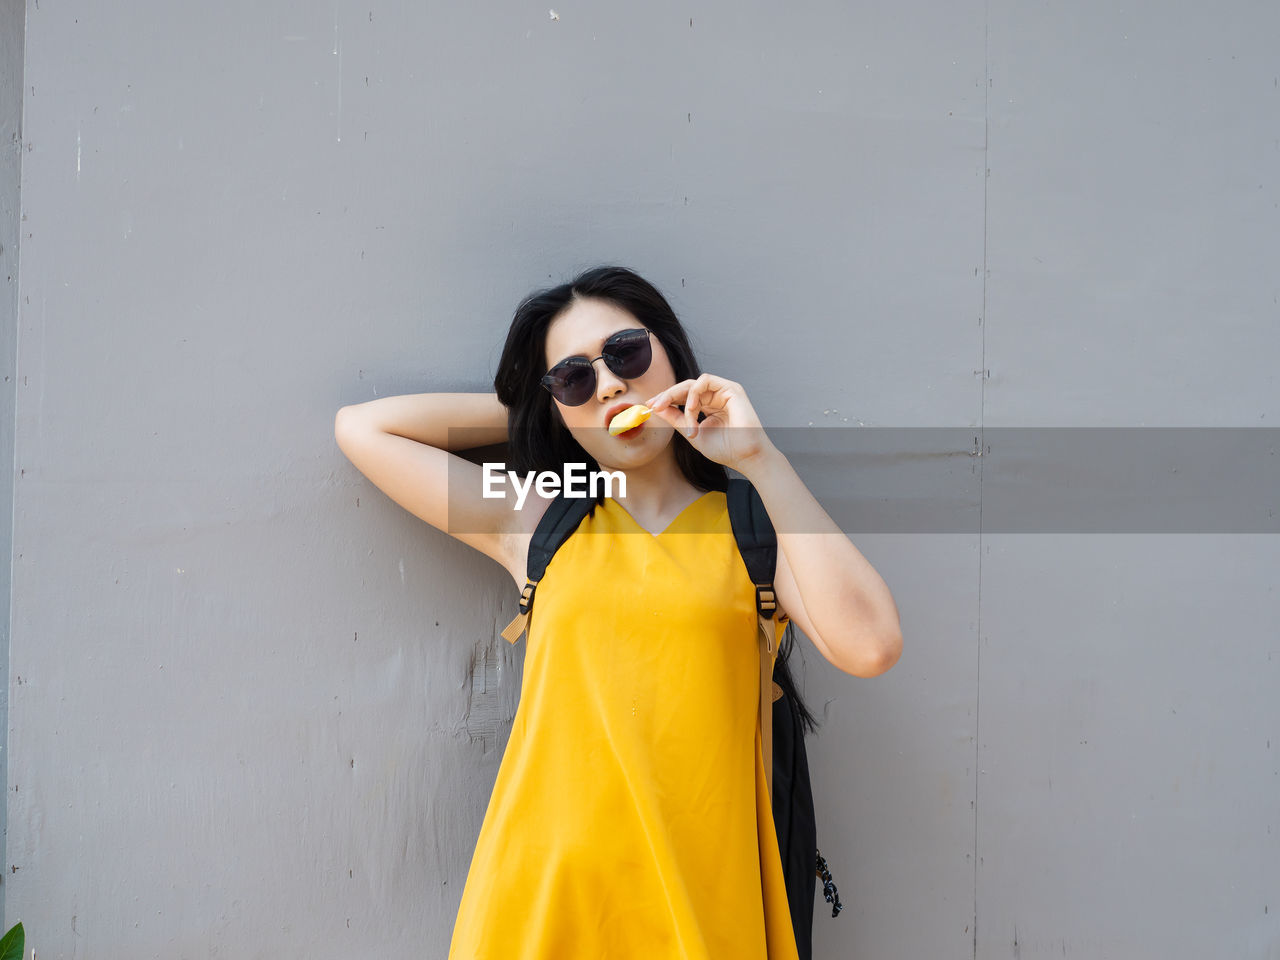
613,411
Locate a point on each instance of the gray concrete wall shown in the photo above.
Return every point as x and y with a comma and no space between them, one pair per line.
257,709
11,30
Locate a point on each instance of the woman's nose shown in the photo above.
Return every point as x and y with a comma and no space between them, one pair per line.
607,382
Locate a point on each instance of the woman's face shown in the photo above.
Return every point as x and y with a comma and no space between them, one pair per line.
581,331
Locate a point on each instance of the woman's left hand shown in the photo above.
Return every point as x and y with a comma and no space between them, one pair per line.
730,434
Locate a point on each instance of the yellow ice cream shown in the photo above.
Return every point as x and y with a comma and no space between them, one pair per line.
633,416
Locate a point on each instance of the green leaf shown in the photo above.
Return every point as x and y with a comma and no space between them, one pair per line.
13,943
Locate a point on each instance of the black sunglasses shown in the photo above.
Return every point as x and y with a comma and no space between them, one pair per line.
627,353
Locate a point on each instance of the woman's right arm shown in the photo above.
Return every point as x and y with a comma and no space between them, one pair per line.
402,445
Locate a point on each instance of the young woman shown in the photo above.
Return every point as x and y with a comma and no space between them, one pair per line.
630,817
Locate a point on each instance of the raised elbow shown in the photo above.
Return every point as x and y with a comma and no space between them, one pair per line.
344,421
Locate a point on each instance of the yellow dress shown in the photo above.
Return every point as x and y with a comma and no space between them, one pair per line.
630,819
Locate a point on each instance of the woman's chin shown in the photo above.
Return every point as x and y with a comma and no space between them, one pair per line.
624,459
624,453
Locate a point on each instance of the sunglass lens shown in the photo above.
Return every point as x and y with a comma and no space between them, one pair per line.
574,383
630,355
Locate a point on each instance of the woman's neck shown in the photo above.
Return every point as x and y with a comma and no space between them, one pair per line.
658,488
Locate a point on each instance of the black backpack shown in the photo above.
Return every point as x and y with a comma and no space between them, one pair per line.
782,726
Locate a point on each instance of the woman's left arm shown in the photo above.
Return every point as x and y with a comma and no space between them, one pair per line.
822,581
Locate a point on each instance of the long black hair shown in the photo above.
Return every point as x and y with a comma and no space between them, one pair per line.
537,438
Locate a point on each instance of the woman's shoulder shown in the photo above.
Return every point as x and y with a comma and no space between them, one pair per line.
519,533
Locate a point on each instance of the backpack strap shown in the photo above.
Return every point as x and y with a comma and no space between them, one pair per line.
561,519
758,545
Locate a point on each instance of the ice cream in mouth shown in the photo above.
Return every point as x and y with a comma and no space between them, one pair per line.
628,421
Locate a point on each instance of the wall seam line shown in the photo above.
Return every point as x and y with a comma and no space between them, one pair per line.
982,400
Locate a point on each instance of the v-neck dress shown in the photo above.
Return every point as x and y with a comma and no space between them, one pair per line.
630,819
